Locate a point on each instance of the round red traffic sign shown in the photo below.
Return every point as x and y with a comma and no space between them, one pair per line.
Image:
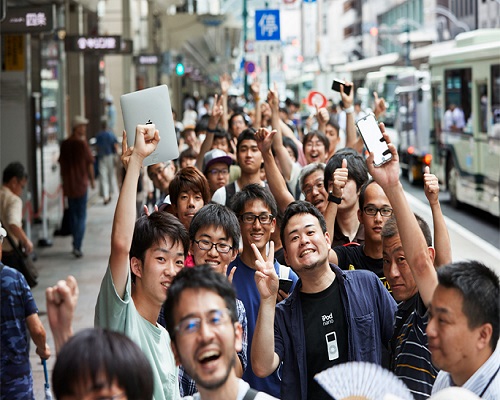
317,99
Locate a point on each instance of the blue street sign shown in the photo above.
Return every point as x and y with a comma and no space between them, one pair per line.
267,25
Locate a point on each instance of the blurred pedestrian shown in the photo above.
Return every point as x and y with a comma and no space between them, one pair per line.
77,170
106,144
18,312
15,179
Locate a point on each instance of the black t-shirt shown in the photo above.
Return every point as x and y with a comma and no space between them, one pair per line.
325,329
354,257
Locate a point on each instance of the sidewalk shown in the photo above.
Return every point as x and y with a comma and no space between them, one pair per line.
57,262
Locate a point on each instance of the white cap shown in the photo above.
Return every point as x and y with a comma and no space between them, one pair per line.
79,120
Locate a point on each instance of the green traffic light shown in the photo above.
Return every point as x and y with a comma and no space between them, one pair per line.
179,69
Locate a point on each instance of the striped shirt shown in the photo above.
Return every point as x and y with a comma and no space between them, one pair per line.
485,382
410,355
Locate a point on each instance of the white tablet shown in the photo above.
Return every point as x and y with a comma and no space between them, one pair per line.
151,106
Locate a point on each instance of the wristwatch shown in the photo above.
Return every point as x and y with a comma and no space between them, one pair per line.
334,199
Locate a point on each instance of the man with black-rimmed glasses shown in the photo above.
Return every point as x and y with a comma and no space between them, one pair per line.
256,209
374,210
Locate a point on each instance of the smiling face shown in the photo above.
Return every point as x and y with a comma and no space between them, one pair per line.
218,261
314,190
306,246
188,203
256,232
453,344
374,197
162,262
209,354
396,269
249,157
315,151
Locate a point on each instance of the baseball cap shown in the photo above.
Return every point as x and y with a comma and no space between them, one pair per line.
215,156
3,232
79,120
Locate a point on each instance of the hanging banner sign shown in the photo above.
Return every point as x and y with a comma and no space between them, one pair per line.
29,19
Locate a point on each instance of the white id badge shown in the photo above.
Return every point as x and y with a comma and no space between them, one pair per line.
332,346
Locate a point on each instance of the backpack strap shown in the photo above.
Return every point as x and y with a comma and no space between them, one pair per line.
250,394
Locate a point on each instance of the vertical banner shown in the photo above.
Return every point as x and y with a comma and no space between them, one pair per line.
14,58
309,28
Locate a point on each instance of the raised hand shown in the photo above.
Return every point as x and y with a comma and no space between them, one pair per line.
147,138
379,105
266,279
61,303
387,174
264,139
322,115
431,186
347,99
340,177
255,88
225,83
217,112
273,100
126,151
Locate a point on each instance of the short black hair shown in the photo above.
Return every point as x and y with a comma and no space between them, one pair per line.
92,354
300,207
199,277
218,215
154,228
356,166
253,192
288,142
14,170
236,114
479,287
390,229
247,134
363,191
320,135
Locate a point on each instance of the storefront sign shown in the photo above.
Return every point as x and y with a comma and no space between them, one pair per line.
99,44
148,59
14,53
29,19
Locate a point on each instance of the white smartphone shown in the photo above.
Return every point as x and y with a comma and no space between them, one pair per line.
374,140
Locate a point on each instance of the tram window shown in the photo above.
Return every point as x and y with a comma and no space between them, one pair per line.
458,94
437,110
495,100
482,90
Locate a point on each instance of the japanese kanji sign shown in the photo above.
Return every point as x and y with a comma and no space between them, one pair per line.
267,25
29,19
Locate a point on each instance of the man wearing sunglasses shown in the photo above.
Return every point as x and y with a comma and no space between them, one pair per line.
202,321
256,209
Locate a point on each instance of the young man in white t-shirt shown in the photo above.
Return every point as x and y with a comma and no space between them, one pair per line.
145,257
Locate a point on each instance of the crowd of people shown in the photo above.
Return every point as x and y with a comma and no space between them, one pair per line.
273,253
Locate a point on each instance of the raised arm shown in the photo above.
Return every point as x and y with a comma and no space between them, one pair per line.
442,243
338,182
61,300
322,116
275,180
412,238
255,88
146,140
352,139
264,359
213,120
281,153
225,83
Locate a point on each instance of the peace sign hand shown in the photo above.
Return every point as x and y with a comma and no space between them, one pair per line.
266,279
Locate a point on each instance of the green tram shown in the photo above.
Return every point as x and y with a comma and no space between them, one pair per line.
465,135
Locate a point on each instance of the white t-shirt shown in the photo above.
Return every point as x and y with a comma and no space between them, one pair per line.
120,315
242,391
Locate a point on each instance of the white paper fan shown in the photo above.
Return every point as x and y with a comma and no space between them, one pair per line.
362,381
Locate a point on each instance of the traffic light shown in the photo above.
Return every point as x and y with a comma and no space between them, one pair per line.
179,67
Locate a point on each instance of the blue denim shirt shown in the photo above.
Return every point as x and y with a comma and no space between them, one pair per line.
369,311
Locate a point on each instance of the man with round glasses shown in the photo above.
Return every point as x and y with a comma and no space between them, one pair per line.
202,321
215,236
